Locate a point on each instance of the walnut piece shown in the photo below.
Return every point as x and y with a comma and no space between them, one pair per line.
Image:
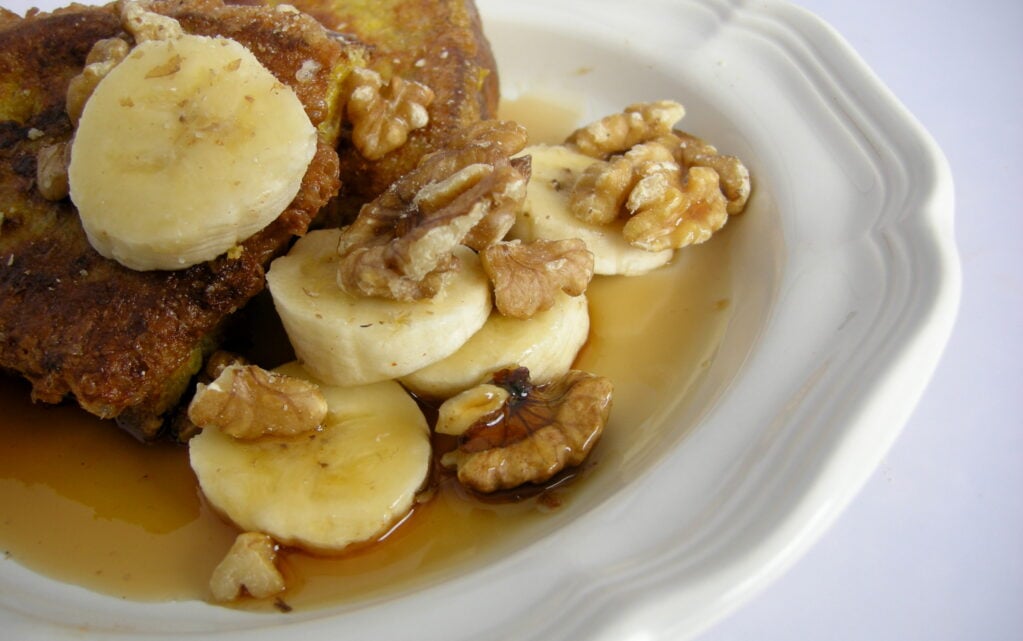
668,190
145,25
51,170
248,402
600,192
460,412
536,433
217,362
669,215
383,115
645,170
497,222
181,426
627,184
248,567
400,245
104,56
617,133
526,276
659,180
732,173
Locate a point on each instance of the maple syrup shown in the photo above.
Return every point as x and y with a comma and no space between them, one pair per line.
87,504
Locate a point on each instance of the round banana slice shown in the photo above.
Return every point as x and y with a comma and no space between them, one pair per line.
547,215
351,340
323,490
187,147
546,344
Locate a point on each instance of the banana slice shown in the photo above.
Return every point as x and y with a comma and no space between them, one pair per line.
547,344
187,147
348,482
350,340
546,215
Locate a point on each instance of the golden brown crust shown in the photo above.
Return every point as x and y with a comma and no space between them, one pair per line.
124,343
439,43
284,41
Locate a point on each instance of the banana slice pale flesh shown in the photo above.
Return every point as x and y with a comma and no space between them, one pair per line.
348,482
547,215
546,344
186,148
351,340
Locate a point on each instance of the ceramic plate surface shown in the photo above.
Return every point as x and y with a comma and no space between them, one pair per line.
845,286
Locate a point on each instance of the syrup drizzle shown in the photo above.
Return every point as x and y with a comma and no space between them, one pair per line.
87,504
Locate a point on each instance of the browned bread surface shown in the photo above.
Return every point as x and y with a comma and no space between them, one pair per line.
125,343
439,43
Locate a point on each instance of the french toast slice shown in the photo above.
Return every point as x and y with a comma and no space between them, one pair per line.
439,43
125,344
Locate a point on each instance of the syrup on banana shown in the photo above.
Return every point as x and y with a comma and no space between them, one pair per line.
348,481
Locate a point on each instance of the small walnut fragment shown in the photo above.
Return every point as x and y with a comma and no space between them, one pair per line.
103,57
460,412
599,194
383,114
248,568
248,402
51,170
217,363
536,433
618,133
400,246
526,276
145,25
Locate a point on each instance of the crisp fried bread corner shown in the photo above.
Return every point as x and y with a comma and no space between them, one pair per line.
125,344
439,43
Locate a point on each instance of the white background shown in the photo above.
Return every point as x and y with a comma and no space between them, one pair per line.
932,549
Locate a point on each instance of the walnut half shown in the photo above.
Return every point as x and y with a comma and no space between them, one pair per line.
102,58
400,246
666,188
383,114
248,568
538,431
620,132
668,214
732,173
527,276
673,188
248,402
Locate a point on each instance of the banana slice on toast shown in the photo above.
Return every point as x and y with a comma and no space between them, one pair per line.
173,162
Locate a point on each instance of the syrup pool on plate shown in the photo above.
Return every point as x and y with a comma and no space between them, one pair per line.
86,504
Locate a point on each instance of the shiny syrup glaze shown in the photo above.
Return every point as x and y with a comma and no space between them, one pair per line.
86,504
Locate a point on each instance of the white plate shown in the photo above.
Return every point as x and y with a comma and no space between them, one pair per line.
846,286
